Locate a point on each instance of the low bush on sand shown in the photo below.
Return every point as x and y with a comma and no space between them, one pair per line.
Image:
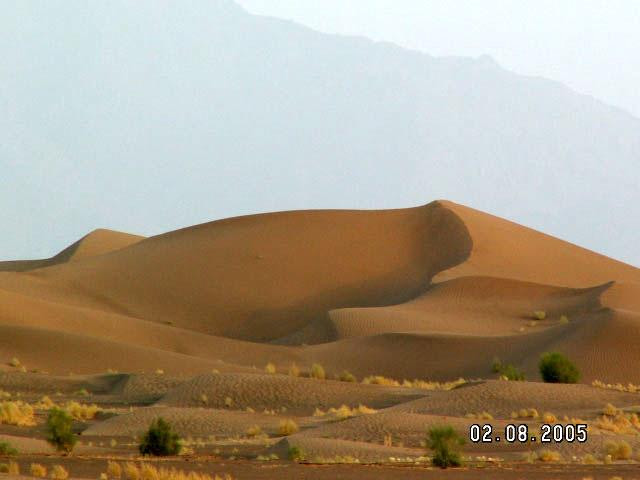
59,430
296,454
556,368
294,370
446,445
507,371
7,449
287,427
160,440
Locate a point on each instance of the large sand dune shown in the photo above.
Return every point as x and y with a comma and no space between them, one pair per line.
429,292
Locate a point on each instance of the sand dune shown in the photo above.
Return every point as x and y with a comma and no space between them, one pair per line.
429,292
97,242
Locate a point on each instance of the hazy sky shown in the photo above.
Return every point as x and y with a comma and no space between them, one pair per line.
592,46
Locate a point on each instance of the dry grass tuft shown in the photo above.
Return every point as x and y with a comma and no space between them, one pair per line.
343,412
82,411
630,387
287,427
147,471
619,450
416,383
254,431
525,413
317,372
14,362
620,423
547,455
294,370
114,470
548,417
336,459
17,413
539,315
58,472
38,470
480,416
346,376
270,368
589,459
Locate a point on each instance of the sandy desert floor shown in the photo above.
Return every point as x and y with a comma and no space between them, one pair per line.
222,328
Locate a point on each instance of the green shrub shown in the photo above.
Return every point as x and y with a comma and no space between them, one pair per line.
556,368
296,454
446,444
59,430
160,440
7,449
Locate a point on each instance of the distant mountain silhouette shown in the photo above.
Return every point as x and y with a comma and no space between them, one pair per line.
146,116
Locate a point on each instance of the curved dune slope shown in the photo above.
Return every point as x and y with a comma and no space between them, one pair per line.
97,242
464,305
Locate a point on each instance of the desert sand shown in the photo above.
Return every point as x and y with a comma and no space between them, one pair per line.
182,325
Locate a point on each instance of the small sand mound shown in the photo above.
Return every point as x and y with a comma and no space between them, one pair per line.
257,391
187,422
325,450
500,398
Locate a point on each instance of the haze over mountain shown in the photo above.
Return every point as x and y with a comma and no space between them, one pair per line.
147,116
